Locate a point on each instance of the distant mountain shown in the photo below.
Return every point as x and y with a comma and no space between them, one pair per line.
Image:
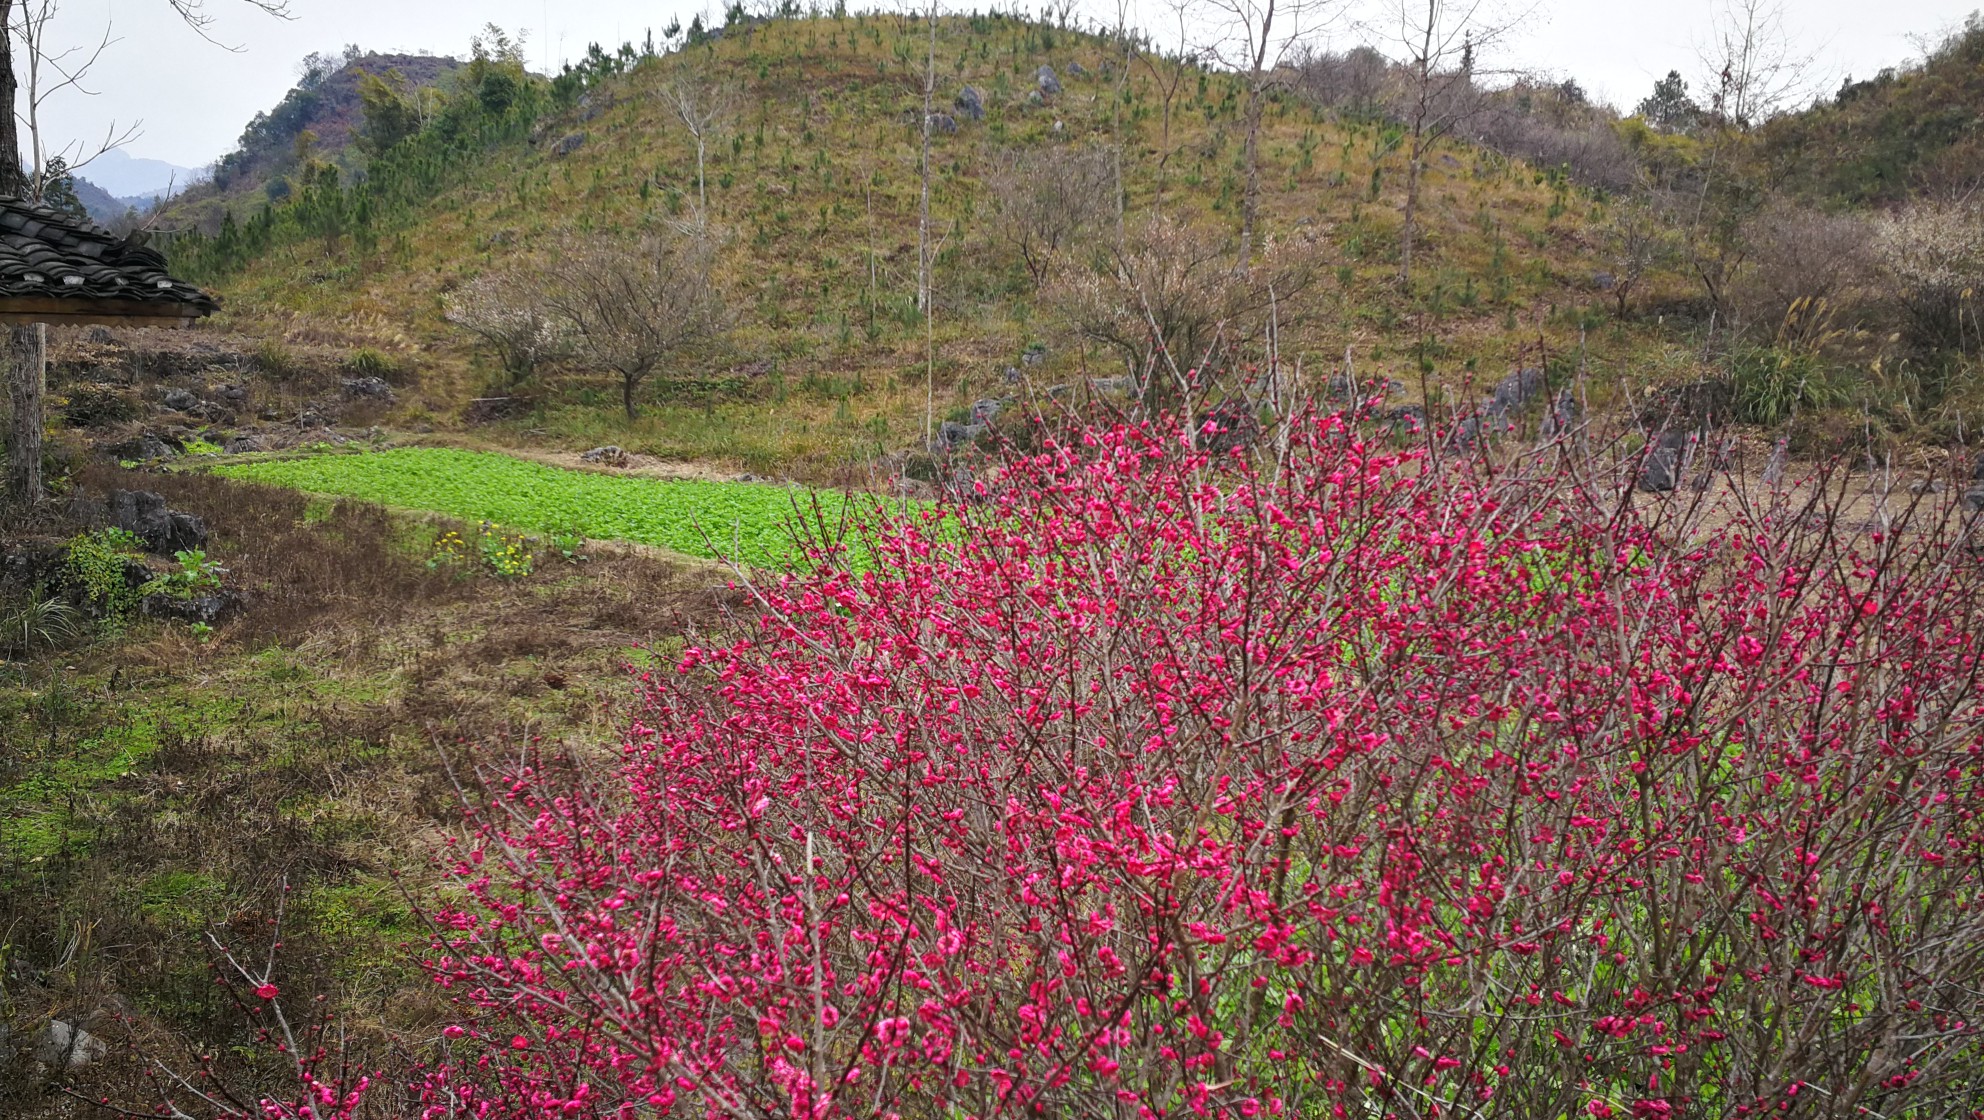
104,208
123,175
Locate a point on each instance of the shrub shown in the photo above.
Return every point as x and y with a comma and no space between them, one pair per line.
1935,255
1770,384
1149,785
276,360
367,362
99,405
1799,256
508,314
96,570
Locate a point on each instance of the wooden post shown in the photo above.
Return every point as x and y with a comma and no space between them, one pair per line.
27,362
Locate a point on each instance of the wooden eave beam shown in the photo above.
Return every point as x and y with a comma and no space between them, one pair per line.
98,312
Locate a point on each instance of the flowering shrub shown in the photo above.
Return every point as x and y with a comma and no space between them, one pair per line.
1935,256
1157,785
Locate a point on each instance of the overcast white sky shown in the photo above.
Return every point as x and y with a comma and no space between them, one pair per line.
193,97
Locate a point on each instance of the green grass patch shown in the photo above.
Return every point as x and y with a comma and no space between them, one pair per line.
749,522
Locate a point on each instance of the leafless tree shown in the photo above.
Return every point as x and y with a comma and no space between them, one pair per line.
705,104
1048,198
925,257
1753,65
1168,297
1255,38
630,307
1637,239
48,71
1755,72
508,312
1441,42
1169,77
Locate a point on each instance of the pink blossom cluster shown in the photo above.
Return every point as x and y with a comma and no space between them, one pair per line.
1168,783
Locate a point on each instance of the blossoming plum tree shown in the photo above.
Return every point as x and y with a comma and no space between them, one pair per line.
1155,784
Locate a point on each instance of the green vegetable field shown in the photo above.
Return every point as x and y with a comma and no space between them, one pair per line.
748,522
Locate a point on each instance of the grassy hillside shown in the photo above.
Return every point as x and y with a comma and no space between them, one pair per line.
815,186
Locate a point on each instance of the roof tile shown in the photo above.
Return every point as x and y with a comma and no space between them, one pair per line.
42,253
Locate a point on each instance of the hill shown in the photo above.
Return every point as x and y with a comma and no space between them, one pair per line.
103,208
1907,131
319,120
814,184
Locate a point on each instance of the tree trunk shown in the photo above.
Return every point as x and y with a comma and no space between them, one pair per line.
13,181
1250,202
627,383
26,361
1411,216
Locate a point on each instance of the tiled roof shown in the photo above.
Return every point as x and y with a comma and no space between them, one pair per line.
49,256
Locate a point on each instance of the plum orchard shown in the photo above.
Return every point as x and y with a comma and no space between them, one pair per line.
1156,786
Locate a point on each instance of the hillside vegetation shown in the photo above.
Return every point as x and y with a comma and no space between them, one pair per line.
814,189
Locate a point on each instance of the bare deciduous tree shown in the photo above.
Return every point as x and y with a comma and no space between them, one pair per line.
47,72
1441,41
1168,296
1255,38
507,311
705,105
1752,64
1637,240
1754,73
1169,78
631,307
1048,198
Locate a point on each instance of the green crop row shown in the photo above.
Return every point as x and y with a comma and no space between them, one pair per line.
752,523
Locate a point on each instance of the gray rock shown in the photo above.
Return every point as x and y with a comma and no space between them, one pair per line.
1562,415
1662,470
164,531
1973,498
571,143
943,123
368,388
1774,469
1034,99
1045,79
243,445
1604,281
1112,386
1033,357
1977,471
969,104
311,418
1515,390
954,434
1077,70
1466,435
608,455
206,609
1013,375
987,410
67,1046
232,394
180,400
146,448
